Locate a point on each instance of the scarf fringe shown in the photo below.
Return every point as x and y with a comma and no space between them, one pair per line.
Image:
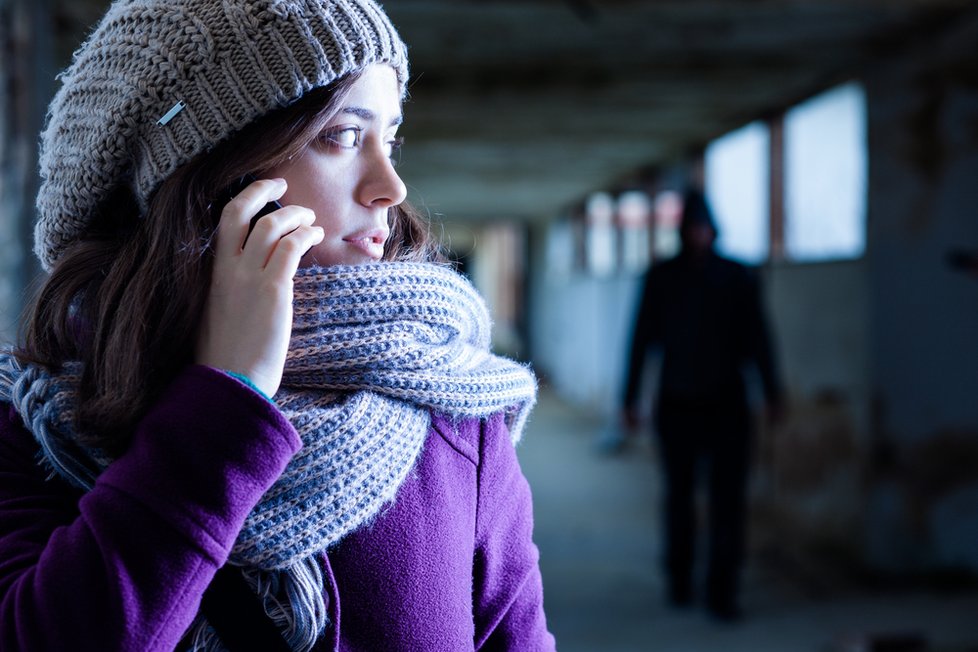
294,599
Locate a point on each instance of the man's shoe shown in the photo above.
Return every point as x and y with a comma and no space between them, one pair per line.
680,595
725,611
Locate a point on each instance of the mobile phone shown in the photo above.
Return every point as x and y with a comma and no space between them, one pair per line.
240,184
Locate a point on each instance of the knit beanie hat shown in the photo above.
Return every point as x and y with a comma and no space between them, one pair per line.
159,82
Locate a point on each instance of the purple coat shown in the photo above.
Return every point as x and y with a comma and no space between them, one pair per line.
450,565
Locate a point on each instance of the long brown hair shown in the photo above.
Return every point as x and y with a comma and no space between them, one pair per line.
127,300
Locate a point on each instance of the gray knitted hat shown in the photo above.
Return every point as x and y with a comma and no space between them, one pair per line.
160,81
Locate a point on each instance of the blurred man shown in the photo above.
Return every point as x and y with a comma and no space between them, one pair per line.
704,314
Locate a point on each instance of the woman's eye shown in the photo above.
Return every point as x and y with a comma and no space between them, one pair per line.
393,148
345,137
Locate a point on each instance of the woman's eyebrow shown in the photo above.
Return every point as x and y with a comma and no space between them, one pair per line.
368,115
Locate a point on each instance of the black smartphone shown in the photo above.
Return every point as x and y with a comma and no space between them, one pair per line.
235,188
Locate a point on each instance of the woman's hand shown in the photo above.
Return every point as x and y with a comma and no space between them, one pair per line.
247,320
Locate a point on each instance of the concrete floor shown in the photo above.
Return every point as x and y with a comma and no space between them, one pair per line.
598,532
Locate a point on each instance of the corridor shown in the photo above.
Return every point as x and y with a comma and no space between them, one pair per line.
597,530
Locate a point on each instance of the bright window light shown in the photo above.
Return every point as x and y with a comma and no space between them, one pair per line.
600,238
825,182
737,179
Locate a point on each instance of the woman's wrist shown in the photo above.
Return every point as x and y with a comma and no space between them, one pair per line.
247,381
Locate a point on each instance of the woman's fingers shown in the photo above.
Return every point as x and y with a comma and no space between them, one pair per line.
232,230
247,321
284,260
269,231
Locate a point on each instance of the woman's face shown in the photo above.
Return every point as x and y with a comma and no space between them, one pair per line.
346,175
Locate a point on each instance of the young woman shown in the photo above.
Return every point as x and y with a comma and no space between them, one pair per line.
223,432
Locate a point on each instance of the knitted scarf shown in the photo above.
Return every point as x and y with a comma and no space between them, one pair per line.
375,349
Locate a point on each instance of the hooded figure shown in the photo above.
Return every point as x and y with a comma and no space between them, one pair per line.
703,314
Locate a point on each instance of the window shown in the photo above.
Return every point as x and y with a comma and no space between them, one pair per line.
600,235
825,176
633,218
668,209
737,177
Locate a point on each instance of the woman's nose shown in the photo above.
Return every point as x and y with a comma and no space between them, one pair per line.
381,186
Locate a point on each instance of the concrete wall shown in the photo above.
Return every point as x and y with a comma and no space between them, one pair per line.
11,254
580,331
811,468
26,85
923,115
579,324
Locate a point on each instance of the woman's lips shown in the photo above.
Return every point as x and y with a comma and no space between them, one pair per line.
371,243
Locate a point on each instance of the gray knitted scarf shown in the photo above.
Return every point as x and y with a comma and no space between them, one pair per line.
375,350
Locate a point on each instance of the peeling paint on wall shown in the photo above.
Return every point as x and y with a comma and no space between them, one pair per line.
921,493
925,149
815,445
809,483
936,467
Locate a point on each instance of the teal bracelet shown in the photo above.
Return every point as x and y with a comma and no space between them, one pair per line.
247,381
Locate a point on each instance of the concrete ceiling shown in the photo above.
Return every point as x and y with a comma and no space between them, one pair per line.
518,109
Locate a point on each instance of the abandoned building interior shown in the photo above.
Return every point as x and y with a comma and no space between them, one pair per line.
550,142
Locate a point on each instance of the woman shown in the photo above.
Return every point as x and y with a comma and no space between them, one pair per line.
305,401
